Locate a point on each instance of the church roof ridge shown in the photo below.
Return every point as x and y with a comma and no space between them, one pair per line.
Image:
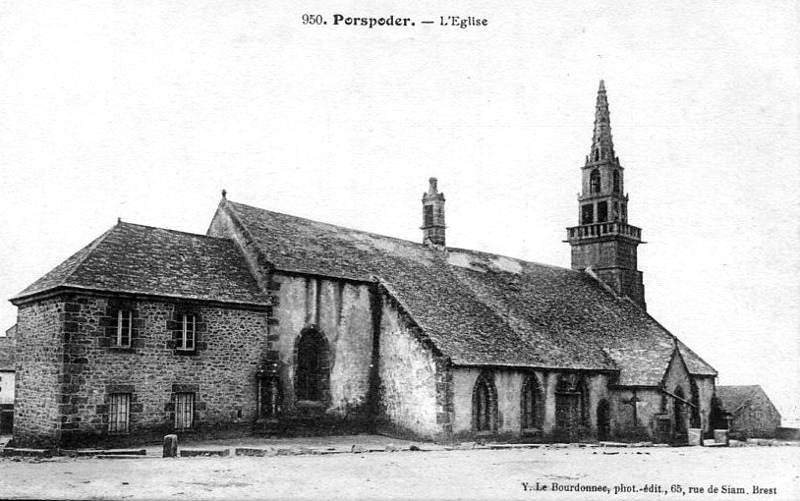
137,259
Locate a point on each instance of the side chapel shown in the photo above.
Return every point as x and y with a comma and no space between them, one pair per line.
271,323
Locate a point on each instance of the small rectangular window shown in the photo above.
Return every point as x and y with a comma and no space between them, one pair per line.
124,328
184,411
587,214
427,211
119,412
602,212
188,333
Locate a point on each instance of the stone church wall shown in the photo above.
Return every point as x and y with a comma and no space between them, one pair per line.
221,372
408,375
342,312
39,357
508,384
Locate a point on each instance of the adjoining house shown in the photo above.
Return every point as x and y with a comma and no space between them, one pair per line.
7,380
749,411
272,323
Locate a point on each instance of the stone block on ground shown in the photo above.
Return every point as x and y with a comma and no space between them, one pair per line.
253,452
205,452
695,436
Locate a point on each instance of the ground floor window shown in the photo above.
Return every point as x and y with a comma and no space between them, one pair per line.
532,404
484,404
119,413
184,411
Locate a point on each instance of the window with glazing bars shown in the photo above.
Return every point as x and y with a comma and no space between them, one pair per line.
119,411
188,333
184,410
124,328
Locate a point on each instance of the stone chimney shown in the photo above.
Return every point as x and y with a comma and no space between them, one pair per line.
433,216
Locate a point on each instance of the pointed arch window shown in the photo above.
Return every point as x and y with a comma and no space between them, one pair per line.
484,404
532,404
312,369
594,181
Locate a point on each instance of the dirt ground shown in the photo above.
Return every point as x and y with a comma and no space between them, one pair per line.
625,473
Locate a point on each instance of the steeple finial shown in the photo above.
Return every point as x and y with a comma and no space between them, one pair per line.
602,144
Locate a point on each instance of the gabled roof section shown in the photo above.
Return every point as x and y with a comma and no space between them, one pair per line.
136,259
733,398
478,308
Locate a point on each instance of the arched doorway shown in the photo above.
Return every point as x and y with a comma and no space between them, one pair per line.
312,367
603,420
681,433
694,420
484,404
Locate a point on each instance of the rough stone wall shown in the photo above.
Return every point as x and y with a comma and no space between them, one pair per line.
39,360
342,312
639,425
221,372
757,418
408,375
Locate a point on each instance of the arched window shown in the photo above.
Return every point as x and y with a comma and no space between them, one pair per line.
484,404
594,181
532,404
617,186
311,366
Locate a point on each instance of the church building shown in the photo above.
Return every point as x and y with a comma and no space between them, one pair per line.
275,324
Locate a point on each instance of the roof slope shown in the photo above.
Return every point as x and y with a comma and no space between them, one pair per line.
733,398
144,260
480,308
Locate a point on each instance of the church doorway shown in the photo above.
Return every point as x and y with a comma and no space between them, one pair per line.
311,367
603,420
679,415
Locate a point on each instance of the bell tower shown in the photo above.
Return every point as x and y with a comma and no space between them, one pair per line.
603,240
433,216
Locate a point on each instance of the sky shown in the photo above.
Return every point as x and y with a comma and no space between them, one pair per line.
146,110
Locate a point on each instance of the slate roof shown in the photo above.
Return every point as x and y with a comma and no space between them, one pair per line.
138,259
733,398
479,308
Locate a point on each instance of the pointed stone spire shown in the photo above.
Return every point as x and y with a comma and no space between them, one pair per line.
602,145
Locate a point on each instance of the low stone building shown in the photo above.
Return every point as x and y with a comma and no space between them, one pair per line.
7,379
749,411
277,324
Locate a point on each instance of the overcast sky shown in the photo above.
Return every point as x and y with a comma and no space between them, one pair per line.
145,110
